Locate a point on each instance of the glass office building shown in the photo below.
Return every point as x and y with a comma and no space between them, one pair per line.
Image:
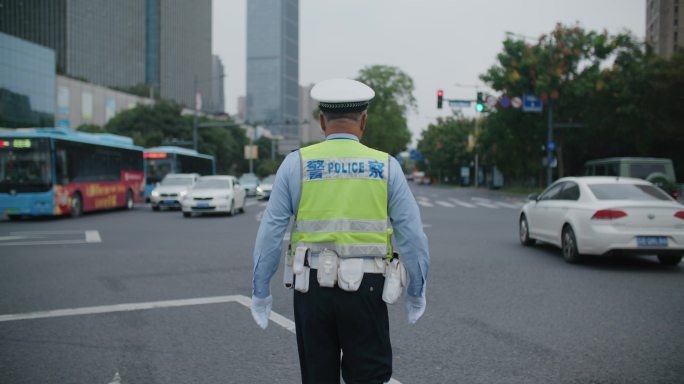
273,68
165,44
27,83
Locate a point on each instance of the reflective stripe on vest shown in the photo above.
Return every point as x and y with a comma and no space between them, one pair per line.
343,205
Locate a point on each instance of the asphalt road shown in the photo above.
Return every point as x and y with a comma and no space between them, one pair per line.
497,312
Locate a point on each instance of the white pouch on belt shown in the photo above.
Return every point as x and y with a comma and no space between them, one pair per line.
350,274
395,281
302,280
327,268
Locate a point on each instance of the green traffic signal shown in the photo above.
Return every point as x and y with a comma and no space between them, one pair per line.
480,103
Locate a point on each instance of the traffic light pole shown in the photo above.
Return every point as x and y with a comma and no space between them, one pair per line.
549,140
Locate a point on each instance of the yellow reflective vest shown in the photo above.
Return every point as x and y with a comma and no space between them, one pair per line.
344,200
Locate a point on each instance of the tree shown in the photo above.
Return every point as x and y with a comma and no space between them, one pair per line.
387,127
162,123
445,146
602,81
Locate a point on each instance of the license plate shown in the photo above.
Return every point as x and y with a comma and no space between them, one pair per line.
652,241
202,205
168,202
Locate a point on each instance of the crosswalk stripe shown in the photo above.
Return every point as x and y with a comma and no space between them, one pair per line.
250,203
444,204
462,203
486,205
509,205
425,203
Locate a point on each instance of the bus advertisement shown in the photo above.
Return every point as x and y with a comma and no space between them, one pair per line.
159,161
57,171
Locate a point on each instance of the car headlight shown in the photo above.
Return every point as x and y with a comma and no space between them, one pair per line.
259,189
155,194
182,194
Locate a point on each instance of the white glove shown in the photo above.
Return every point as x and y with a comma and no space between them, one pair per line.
261,310
415,307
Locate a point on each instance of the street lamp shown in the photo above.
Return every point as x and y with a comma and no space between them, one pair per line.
198,104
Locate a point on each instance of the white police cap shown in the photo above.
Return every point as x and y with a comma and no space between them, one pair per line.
342,95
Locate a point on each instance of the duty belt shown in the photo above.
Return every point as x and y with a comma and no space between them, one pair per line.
370,264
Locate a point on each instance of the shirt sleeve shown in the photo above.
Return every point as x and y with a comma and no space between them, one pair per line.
409,238
274,223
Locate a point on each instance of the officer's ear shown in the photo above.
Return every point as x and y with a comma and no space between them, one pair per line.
362,125
321,119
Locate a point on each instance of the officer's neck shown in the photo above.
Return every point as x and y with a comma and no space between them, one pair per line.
343,127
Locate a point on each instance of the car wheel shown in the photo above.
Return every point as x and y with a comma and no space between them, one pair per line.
129,200
155,208
569,245
186,214
14,217
670,260
231,211
525,232
76,208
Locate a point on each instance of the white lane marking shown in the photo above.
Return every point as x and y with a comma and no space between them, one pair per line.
427,225
462,203
444,204
259,216
116,379
508,205
92,237
250,203
425,204
263,204
7,238
46,233
241,299
30,238
117,308
486,205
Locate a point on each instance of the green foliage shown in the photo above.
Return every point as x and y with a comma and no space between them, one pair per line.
386,128
628,100
91,128
445,144
162,124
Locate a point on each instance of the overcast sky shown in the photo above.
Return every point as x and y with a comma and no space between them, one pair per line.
441,44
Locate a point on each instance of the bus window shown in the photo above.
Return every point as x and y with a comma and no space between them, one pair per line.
25,168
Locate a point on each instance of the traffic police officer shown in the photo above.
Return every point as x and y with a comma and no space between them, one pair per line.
343,196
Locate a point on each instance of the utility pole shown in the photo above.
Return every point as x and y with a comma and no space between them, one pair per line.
549,140
194,120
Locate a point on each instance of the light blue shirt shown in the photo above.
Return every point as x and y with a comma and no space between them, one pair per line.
409,238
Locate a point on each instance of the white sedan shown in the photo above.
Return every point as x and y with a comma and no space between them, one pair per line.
605,216
214,194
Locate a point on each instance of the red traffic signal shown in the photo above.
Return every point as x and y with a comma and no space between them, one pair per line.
440,98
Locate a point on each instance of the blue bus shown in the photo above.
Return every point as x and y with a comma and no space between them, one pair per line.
160,161
57,171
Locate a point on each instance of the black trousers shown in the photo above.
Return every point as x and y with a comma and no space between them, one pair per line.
330,320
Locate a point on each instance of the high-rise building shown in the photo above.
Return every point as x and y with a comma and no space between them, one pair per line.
310,127
101,41
164,44
273,68
663,27
217,75
27,83
185,50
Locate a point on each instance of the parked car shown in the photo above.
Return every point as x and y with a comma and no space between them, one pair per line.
249,182
658,171
171,190
214,194
263,191
605,216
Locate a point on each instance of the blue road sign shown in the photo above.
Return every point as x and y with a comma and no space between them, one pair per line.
532,103
551,146
459,103
415,155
